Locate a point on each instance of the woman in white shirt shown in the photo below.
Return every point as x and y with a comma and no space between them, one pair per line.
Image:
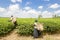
38,28
13,20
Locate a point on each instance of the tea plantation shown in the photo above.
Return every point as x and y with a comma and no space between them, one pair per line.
25,25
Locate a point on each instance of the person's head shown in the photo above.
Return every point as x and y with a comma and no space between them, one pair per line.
36,20
11,15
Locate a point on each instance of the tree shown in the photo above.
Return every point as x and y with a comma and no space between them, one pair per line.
39,16
54,16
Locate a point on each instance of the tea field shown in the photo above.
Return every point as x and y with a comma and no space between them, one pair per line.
25,25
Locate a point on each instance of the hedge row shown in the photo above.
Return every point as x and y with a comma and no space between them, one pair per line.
5,28
27,29
52,27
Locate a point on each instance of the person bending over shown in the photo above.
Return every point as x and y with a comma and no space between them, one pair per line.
38,27
13,20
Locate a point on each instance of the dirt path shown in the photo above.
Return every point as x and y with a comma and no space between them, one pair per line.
14,36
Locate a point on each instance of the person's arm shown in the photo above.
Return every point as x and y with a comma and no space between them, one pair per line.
10,20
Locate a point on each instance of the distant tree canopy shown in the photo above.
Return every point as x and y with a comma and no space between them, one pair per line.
39,16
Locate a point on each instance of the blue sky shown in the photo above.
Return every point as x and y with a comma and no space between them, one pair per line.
29,8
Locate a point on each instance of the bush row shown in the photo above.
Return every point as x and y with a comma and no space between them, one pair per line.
25,29
49,27
5,28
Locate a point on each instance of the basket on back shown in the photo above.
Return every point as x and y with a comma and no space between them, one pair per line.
40,26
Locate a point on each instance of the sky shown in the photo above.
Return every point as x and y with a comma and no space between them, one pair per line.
29,8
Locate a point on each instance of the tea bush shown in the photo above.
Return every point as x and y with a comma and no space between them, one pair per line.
51,27
25,25
25,29
5,26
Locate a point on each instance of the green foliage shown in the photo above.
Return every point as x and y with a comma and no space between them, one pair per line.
25,29
5,27
25,25
51,27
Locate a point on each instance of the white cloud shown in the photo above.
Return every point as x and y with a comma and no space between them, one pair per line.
54,6
32,11
14,7
40,7
27,8
57,12
26,12
46,14
2,9
28,3
29,12
14,1
18,12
